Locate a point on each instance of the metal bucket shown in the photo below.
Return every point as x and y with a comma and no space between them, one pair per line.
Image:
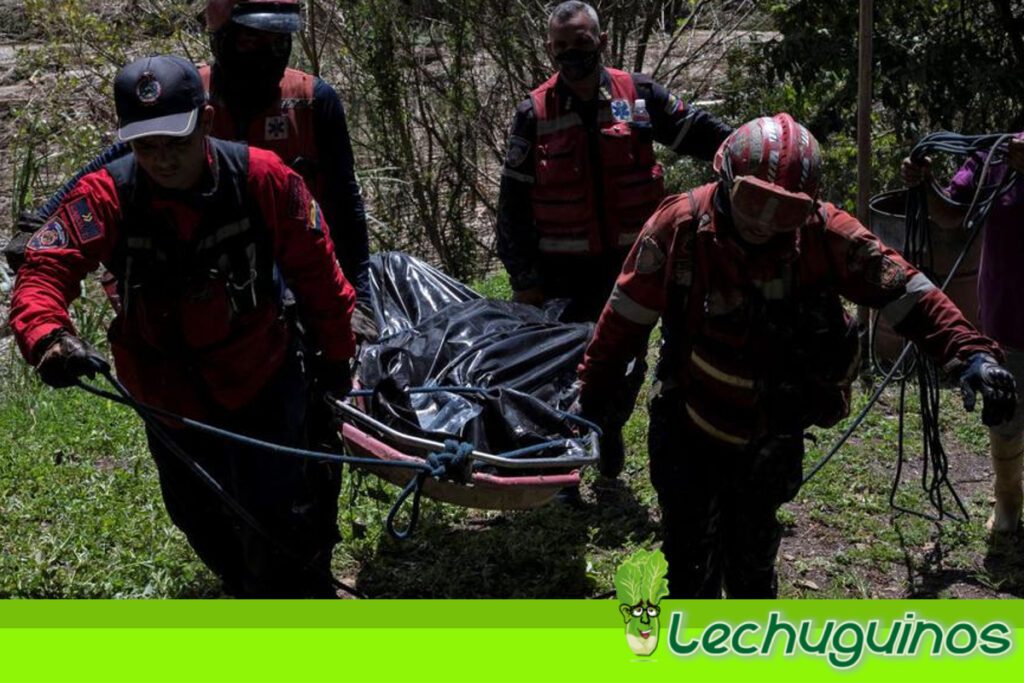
888,221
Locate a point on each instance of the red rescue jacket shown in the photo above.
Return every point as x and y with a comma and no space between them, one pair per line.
756,339
570,217
199,277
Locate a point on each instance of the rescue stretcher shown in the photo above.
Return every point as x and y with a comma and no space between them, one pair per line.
452,366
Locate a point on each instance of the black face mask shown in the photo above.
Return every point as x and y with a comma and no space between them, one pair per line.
577,64
251,79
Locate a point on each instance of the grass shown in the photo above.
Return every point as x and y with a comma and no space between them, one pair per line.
82,516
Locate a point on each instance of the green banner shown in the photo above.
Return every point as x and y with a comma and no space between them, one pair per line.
504,640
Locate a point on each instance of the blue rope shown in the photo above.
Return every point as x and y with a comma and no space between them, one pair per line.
452,463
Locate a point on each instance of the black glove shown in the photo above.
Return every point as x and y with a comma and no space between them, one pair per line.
65,358
364,325
985,374
335,377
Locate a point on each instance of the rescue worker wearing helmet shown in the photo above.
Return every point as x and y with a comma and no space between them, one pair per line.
202,235
295,114
745,275
580,179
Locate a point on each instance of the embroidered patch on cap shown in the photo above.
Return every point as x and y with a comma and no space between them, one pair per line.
276,128
649,256
148,89
518,148
84,221
50,236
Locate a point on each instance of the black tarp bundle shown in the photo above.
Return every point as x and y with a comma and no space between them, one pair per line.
436,332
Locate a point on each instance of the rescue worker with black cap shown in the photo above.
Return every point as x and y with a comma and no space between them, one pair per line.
580,179
203,235
258,100
745,275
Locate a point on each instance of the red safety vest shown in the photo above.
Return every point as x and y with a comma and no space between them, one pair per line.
285,127
565,206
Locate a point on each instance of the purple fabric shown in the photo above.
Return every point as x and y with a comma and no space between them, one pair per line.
1001,280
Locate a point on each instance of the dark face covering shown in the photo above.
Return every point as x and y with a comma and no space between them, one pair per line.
577,64
250,79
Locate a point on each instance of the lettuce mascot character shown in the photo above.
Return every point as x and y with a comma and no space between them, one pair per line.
640,585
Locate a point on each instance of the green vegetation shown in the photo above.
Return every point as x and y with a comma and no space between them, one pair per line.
80,505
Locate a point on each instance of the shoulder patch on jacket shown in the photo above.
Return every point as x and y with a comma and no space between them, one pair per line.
518,148
84,221
886,274
649,256
53,235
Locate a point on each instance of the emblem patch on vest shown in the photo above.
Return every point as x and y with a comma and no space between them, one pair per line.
84,221
518,148
621,111
649,256
50,236
276,128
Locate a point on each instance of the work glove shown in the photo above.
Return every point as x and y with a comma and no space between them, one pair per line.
533,296
65,358
335,377
364,325
985,374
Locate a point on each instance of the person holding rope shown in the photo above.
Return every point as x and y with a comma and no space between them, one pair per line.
745,275
202,236
1000,282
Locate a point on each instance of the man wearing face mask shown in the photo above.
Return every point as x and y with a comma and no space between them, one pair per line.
202,236
745,275
580,179
259,100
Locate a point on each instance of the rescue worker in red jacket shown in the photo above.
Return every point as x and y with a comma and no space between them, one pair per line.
745,275
202,236
298,115
580,179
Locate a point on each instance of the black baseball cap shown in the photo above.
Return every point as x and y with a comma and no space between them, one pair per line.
160,95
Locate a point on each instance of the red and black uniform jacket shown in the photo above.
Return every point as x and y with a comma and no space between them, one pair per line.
580,178
199,277
756,338
307,128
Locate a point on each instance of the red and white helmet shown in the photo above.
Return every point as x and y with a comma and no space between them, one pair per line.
277,16
772,168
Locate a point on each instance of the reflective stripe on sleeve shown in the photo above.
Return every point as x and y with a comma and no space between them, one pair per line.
632,311
896,311
515,175
687,122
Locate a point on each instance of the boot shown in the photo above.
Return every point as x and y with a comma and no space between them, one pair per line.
1007,461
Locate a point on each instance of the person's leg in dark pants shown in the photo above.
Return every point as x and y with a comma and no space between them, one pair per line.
211,529
294,499
687,477
770,474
